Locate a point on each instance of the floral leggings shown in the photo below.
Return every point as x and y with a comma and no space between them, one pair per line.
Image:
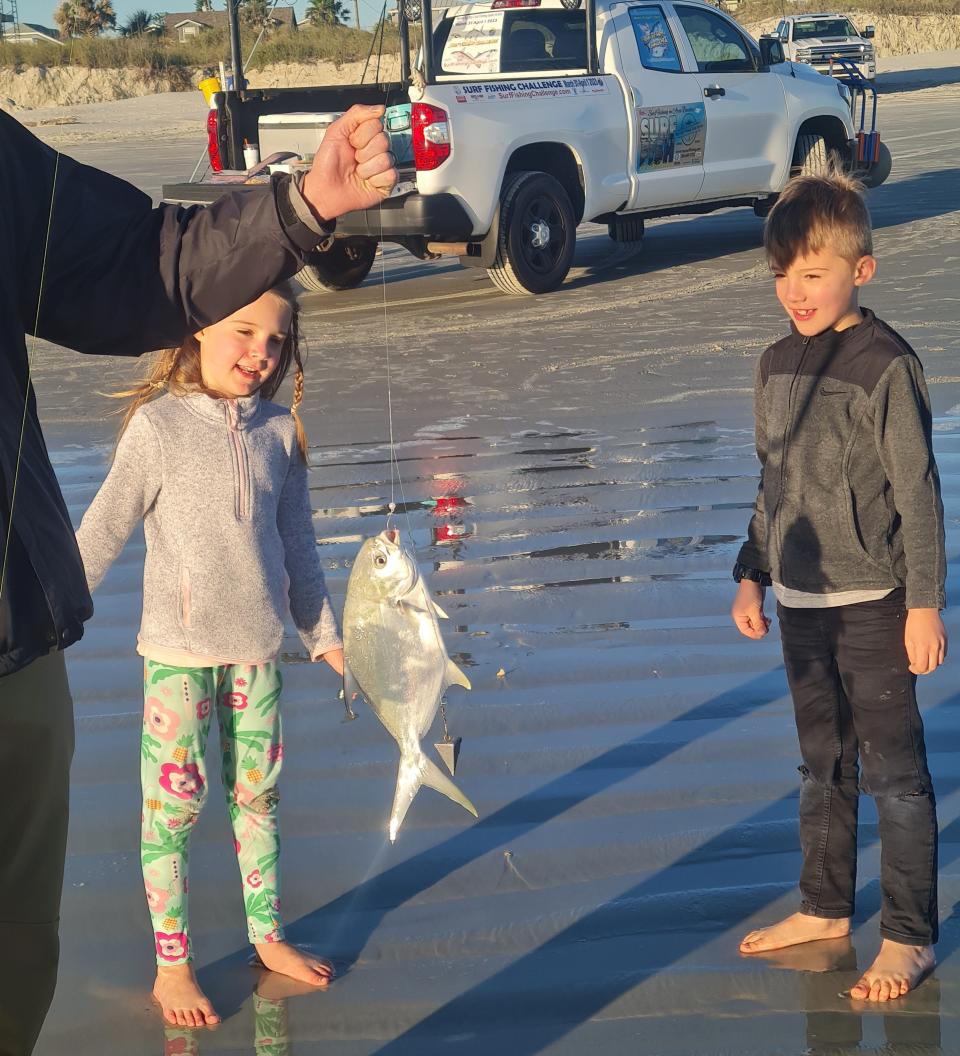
176,721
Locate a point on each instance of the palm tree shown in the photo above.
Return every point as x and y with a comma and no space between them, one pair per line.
142,24
85,18
255,12
326,13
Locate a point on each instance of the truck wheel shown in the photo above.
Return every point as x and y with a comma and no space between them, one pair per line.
811,157
341,267
536,237
880,169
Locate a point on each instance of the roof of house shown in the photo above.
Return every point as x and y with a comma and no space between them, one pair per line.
218,19
25,29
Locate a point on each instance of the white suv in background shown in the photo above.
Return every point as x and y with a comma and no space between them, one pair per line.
815,39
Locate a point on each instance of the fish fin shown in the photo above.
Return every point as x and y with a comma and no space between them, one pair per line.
414,772
455,677
436,608
433,777
351,692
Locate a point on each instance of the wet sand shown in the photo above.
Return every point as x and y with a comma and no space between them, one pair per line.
577,473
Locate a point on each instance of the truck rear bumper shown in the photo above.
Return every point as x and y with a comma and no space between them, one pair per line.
437,217
434,217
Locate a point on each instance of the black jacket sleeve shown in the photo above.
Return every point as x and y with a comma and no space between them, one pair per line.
753,553
103,271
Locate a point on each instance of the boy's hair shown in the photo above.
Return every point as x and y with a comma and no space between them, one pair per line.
818,212
178,371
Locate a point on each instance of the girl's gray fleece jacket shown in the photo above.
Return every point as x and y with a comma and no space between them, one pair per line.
222,492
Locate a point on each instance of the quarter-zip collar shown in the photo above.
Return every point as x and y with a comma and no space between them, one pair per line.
838,338
238,413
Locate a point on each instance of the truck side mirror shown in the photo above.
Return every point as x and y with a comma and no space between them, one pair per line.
869,32
771,50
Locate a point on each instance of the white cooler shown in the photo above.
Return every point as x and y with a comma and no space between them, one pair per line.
301,133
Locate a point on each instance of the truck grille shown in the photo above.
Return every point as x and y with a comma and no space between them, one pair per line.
847,51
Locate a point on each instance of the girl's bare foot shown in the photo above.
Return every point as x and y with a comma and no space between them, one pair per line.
179,995
797,928
288,960
897,969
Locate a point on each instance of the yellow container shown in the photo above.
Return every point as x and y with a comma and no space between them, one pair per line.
209,85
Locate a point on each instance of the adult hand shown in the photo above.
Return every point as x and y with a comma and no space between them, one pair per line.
926,640
353,167
747,611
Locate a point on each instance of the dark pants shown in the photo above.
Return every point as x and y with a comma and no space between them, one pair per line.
854,696
36,746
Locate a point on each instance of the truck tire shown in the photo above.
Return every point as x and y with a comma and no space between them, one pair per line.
536,237
880,169
341,267
811,157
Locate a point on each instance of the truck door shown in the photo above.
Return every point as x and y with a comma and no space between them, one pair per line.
746,106
666,104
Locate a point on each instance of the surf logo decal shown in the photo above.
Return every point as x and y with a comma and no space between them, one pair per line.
670,137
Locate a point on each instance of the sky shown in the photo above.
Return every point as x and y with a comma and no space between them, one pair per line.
41,11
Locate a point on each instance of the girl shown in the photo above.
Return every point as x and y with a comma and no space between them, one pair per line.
219,477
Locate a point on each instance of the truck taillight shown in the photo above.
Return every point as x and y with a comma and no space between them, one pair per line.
213,141
431,136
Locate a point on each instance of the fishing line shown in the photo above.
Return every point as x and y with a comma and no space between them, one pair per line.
395,479
31,349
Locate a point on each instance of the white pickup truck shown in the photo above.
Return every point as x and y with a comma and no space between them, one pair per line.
532,116
819,40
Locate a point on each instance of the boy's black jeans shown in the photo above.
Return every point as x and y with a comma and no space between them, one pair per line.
854,695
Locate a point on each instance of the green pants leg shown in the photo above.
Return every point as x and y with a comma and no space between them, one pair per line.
36,747
178,707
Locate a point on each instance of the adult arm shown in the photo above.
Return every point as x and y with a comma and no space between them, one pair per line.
102,271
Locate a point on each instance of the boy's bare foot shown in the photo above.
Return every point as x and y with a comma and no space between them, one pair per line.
288,960
797,928
896,970
179,995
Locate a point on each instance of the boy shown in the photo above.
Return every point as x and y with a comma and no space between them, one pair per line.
848,530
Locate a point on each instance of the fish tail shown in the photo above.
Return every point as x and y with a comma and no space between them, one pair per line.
414,771
434,777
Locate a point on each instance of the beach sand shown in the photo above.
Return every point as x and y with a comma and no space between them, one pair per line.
577,472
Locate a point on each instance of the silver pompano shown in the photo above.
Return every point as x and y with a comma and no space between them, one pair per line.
395,658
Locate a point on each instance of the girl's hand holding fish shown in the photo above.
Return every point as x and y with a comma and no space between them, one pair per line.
334,657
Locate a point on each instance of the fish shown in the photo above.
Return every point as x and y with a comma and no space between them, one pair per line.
395,659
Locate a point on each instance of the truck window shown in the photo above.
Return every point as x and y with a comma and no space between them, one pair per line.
823,27
717,45
781,30
512,41
655,42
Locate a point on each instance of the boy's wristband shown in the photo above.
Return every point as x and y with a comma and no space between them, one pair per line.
754,574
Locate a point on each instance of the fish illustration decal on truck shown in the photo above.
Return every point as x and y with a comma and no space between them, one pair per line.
395,659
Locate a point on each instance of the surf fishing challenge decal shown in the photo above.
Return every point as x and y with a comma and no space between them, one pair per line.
670,136
543,88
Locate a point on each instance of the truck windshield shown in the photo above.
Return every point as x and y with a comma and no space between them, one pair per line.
824,27
517,41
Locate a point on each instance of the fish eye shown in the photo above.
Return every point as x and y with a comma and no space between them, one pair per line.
380,561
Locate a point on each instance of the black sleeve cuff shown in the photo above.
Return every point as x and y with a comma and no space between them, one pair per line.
301,226
745,572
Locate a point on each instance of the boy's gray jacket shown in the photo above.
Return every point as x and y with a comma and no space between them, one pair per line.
849,492
222,492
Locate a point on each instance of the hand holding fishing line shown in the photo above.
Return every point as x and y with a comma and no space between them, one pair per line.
353,167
